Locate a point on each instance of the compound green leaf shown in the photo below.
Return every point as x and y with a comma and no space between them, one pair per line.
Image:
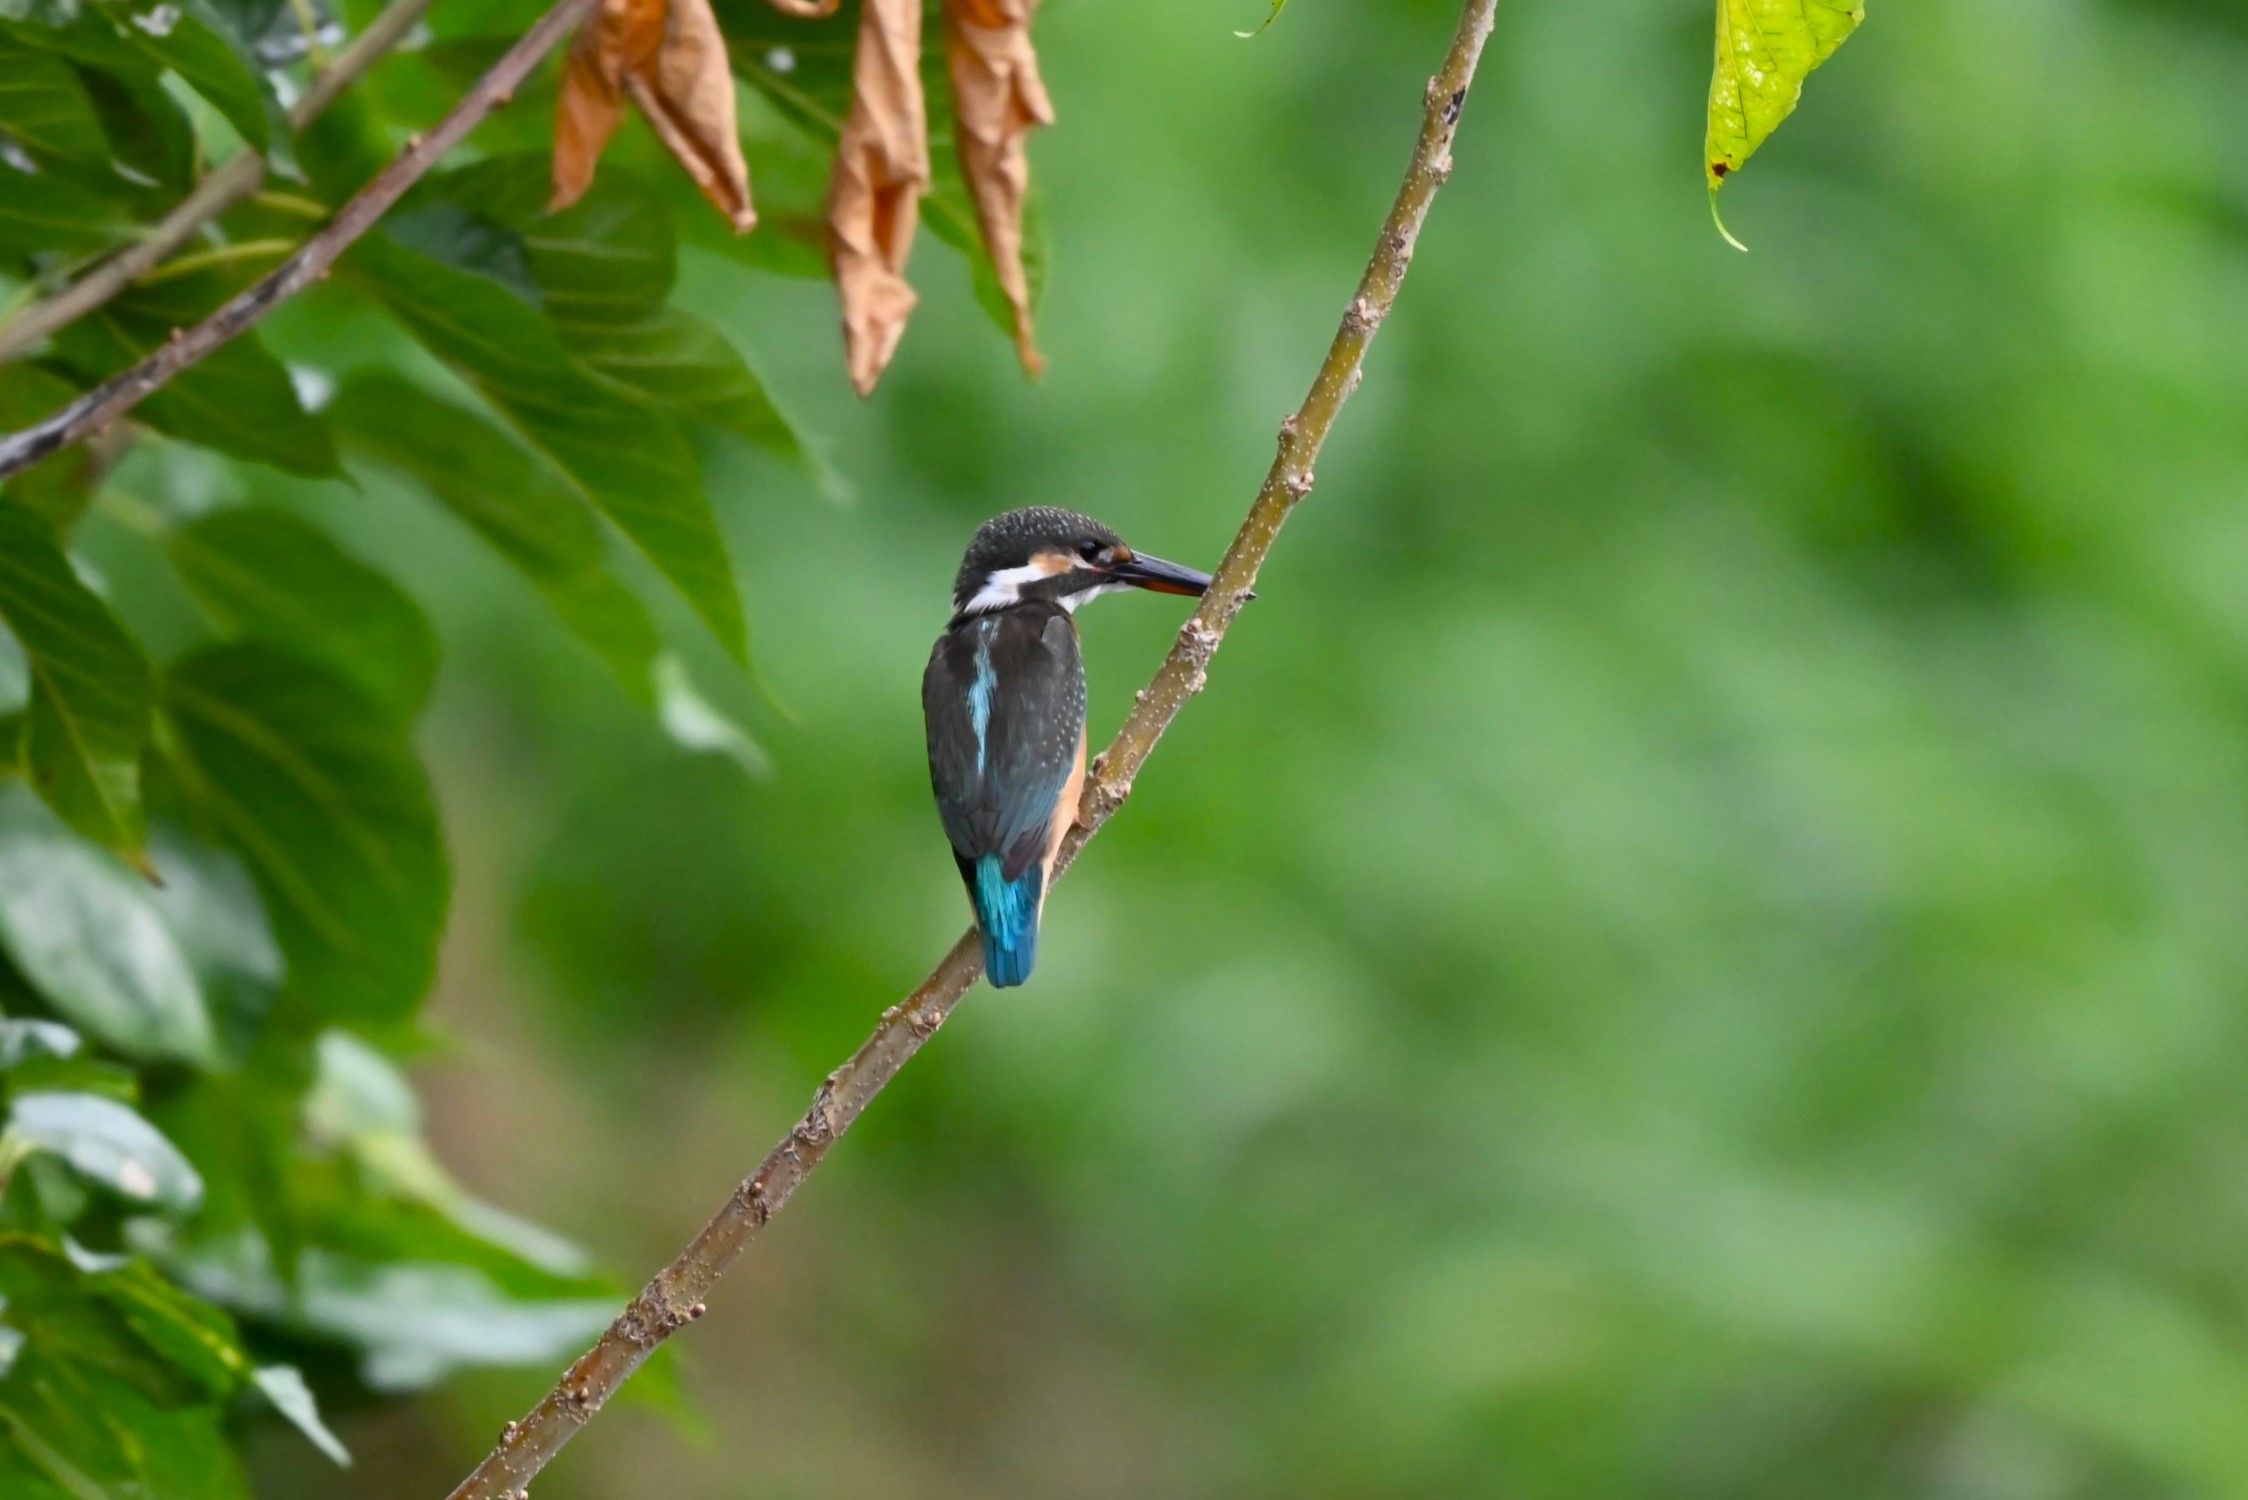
623,454
518,505
601,273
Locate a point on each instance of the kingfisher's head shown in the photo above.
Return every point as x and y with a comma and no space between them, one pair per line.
1044,553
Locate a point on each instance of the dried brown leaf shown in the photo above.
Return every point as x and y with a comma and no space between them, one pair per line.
881,171
691,105
667,56
591,106
998,99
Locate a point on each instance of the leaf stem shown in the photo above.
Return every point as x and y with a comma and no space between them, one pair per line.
131,512
219,255
291,203
120,393
675,1296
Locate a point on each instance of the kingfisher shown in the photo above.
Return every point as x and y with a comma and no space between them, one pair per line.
1004,697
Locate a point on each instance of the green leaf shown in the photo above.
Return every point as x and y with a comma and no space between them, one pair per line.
238,399
149,134
417,1323
317,788
22,1041
284,1386
45,107
107,1143
11,1343
361,1104
58,487
86,935
80,1073
413,1318
608,258
264,573
193,40
1765,49
88,716
194,1337
138,41
251,21
15,686
516,504
33,1469
211,905
50,212
91,1406
690,720
623,454
455,235
679,361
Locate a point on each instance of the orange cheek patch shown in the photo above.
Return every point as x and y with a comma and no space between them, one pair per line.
1053,563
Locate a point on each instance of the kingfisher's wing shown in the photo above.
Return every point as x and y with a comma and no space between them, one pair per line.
1004,697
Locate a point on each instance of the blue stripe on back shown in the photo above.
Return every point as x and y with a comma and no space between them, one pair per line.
1007,913
980,691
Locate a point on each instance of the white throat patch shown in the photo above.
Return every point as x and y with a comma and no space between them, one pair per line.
1004,588
1071,602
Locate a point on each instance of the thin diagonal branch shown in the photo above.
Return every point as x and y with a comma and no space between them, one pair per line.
676,1295
219,191
120,393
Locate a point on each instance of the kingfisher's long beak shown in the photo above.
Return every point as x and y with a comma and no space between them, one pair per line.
1153,573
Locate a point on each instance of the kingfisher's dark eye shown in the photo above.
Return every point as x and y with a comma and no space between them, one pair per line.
1089,549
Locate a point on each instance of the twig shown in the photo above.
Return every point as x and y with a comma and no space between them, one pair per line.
218,192
120,393
675,1297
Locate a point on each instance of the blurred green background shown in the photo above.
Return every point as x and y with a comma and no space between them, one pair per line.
1694,946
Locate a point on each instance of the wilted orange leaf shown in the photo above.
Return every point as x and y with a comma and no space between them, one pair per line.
671,61
592,103
998,99
881,171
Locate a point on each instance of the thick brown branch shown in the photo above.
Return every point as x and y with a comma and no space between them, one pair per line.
677,1293
213,196
120,393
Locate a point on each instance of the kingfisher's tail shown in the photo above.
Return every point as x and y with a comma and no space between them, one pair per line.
1007,913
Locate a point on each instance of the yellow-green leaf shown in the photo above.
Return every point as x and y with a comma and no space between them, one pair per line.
1765,49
